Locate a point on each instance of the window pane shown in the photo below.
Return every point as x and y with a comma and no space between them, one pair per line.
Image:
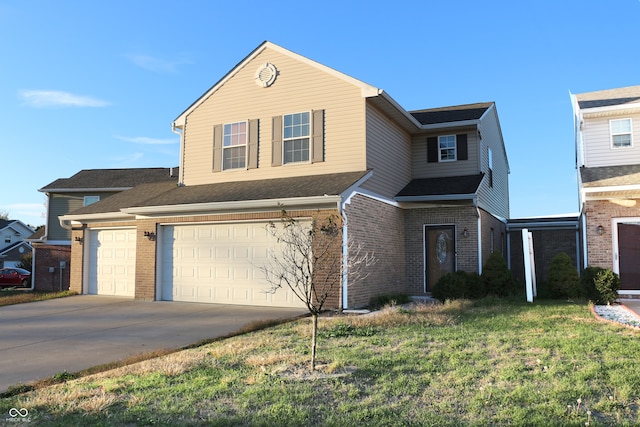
234,134
622,140
233,158
296,150
621,126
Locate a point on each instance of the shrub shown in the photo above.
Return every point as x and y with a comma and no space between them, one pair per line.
497,278
475,285
607,284
562,280
451,286
588,284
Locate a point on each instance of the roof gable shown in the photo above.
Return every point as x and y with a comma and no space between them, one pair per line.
366,89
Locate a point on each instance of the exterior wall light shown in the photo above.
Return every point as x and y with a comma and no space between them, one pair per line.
600,230
465,233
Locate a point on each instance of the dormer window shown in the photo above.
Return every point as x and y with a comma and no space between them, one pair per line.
620,133
447,148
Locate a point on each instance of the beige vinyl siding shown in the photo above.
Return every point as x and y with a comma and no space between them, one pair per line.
494,199
298,87
423,169
597,143
388,154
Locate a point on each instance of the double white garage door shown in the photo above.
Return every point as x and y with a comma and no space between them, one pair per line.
214,263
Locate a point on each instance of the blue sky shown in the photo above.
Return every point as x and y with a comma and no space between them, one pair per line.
87,84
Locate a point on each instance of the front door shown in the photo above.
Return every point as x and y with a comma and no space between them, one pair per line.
439,253
629,256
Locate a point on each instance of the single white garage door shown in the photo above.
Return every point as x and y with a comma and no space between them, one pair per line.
219,263
112,262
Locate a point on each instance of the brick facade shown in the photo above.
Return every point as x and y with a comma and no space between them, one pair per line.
463,218
379,229
47,257
600,213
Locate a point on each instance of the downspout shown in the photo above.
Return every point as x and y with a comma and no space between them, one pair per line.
33,264
475,204
175,130
345,253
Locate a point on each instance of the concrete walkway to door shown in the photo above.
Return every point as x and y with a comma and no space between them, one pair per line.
40,339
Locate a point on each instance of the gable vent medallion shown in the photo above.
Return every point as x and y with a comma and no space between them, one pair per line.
266,75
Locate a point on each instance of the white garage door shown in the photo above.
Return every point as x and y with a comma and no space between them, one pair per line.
112,262
219,263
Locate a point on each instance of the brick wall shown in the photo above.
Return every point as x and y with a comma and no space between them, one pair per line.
493,230
464,217
600,213
146,260
47,256
379,228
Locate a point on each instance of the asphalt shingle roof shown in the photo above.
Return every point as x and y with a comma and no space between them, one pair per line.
454,113
441,186
609,97
610,175
113,178
166,194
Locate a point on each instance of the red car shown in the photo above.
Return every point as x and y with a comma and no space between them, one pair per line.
14,277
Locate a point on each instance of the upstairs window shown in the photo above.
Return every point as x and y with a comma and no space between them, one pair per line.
297,132
447,148
490,153
89,200
234,146
620,133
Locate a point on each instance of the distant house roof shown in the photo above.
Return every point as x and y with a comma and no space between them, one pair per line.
4,223
610,176
447,186
105,179
456,113
610,97
167,194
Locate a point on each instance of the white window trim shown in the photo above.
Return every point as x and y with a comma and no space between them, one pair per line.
245,145
309,137
455,149
630,133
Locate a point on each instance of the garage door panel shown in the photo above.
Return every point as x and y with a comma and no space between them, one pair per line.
219,263
112,262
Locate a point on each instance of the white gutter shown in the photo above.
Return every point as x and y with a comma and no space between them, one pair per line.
83,190
436,198
479,237
233,205
66,220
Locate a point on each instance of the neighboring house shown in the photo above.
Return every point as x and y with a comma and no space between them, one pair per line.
52,244
12,244
425,191
607,130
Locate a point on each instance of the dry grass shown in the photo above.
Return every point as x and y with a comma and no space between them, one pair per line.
11,296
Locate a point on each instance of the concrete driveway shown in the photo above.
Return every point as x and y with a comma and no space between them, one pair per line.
40,339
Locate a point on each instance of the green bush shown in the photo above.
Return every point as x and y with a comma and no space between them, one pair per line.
451,286
607,284
563,278
497,278
588,283
475,285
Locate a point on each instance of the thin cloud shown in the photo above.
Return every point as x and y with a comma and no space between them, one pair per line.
56,98
157,65
147,140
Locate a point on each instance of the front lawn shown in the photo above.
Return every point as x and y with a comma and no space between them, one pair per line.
487,363
9,296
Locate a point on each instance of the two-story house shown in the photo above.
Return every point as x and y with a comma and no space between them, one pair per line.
12,244
607,131
425,191
52,244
